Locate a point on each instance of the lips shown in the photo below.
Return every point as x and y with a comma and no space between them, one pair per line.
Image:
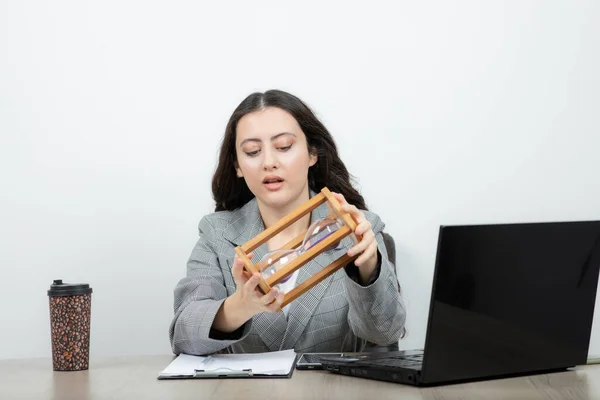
272,179
273,183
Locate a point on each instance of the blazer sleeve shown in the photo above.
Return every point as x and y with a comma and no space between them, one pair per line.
198,297
376,312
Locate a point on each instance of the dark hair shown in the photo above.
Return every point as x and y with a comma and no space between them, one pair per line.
231,192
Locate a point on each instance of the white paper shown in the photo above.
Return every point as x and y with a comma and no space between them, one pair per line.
271,363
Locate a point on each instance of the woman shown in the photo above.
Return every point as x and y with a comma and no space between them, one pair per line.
276,155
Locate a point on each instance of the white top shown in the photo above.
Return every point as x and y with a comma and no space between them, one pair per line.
286,287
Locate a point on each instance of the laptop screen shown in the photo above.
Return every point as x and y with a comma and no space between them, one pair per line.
510,299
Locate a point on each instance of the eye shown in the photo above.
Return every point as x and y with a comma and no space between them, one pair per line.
285,148
252,153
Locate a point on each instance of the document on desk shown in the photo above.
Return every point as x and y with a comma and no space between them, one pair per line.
276,364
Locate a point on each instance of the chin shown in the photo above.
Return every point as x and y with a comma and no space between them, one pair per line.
278,199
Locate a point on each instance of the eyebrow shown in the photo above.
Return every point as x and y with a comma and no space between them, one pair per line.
275,137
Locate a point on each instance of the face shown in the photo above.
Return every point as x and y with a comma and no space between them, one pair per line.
273,157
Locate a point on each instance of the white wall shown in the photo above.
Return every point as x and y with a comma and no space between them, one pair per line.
111,114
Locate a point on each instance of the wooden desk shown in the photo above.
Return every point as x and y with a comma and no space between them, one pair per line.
134,378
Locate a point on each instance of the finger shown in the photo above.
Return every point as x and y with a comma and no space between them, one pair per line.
252,284
340,198
239,271
238,259
349,208
269,297
246,275
338,195
240,275
276,305
364,227
366,241
366,255
357,215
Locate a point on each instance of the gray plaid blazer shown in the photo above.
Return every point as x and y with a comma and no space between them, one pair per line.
337,315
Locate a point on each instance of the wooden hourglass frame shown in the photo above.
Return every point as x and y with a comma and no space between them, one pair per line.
348,228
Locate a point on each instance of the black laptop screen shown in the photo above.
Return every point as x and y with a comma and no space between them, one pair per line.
511,299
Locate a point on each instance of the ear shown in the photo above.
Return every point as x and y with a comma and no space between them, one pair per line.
312,158
238,170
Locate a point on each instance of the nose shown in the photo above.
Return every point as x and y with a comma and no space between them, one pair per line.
270,161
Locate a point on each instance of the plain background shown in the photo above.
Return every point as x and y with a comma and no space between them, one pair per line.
112,112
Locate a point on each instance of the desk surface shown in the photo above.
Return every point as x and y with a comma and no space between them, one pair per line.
135,378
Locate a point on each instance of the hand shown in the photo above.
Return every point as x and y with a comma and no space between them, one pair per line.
249,297
367,247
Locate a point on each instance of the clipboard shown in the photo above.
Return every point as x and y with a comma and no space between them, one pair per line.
223,373
276,364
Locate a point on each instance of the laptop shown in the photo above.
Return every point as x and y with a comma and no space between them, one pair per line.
507,300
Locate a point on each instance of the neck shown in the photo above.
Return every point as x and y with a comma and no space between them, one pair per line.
271,215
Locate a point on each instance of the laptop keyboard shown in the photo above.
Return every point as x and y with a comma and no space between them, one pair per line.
408,361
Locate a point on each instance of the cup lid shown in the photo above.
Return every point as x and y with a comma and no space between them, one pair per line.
58,288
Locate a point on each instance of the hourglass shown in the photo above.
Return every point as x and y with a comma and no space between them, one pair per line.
277,266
